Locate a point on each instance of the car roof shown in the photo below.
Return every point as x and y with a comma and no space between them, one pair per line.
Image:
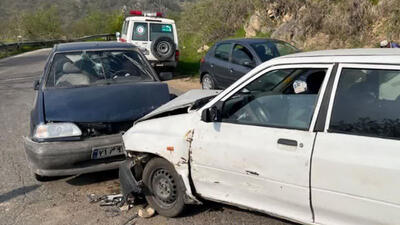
250,40
99,45
150,19
359,56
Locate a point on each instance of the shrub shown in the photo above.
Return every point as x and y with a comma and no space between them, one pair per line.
44,23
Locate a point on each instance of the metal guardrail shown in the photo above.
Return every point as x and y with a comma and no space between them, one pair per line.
7,47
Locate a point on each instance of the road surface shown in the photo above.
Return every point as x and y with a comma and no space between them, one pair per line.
23,200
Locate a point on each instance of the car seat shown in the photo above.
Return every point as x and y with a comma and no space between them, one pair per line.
72,76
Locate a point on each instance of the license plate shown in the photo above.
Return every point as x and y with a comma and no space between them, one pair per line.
107,151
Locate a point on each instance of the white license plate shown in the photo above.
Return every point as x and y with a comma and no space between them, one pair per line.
107,151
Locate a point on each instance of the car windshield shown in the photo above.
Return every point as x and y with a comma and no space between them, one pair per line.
84,68
271,49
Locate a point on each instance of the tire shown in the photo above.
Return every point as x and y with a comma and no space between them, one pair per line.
207,82
165,192
163,48
43,178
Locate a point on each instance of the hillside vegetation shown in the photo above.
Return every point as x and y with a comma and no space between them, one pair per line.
308,24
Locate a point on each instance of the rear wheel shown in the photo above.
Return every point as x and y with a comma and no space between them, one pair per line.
164,191
207,82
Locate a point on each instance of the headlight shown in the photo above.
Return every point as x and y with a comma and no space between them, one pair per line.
56,130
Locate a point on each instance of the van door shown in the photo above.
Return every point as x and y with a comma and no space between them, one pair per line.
140,37
355,176
258,156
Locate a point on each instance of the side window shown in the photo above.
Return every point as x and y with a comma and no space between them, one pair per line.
125,27
140,32
222,51
241,56
280,98
367,103
285,48
161,30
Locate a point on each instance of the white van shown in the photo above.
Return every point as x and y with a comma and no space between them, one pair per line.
155,36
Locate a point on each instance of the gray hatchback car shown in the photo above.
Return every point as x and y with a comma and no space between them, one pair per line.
229,60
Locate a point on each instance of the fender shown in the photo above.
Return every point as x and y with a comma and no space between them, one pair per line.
167,137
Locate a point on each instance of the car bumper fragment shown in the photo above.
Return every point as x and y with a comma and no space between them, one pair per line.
128,183
70,157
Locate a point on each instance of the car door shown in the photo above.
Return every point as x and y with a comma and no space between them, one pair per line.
140,37
355,175
220,64
258,154
242,61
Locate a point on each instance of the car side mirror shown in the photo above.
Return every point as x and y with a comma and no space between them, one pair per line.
165,76
36,85
212,114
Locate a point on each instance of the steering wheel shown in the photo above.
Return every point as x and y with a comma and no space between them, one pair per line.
126,73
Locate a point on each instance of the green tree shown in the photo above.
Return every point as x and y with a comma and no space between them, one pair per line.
44,23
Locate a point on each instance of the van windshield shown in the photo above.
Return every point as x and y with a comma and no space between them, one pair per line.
86,68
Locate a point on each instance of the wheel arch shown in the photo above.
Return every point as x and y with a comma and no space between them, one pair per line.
182,167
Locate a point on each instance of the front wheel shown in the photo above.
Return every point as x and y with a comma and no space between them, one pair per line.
164,191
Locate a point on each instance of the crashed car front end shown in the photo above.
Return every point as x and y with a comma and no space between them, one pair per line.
89,95
167,133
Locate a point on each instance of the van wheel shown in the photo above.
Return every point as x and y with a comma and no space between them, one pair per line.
207,82
163,48
164,191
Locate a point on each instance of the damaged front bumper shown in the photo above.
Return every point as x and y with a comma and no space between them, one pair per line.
63,158
128,183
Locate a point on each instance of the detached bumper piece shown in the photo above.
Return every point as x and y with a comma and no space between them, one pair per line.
63,158
128,183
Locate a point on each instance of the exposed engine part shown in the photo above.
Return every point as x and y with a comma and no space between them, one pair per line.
98,129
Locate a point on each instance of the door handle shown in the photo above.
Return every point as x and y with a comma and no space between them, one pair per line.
288,142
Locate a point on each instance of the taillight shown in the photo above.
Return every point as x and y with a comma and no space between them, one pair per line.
202,60
122,40
177,55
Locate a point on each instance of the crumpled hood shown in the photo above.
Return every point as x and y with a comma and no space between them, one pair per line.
185,100
106,103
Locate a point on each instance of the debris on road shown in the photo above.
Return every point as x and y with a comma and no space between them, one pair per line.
146,212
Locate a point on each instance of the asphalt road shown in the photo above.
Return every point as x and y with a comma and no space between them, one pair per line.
23,200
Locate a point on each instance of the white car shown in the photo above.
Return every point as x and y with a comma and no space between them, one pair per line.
312,137
155,36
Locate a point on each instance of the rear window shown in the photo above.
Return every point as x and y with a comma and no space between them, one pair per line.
367,103
161,30
271,49
140,32
87,68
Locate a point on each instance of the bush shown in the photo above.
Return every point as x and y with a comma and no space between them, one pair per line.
44,23
97,22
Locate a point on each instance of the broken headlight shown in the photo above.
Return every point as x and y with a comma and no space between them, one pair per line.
56,130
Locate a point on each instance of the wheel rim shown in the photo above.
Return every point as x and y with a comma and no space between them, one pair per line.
207,83
163,47
164,188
